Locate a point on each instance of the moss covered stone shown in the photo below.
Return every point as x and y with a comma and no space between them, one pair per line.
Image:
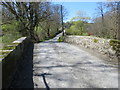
11,46
61,39
115,44
4,53
95,40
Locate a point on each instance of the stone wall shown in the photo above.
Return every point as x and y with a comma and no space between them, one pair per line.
99,45
11,62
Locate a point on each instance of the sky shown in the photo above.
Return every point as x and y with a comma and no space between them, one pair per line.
73,7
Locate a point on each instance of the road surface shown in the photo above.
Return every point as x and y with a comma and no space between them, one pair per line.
61,65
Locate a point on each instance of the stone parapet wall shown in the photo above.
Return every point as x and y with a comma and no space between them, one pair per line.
99,45
11,62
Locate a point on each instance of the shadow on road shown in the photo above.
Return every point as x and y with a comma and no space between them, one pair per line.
44,79
23,77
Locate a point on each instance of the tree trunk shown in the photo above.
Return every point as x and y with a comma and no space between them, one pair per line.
118,19
48,32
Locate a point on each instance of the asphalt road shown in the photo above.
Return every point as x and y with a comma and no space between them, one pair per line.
61,65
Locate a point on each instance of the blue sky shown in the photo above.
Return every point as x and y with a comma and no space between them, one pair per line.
73,7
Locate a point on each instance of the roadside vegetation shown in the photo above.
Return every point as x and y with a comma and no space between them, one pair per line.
38,20
78,25
10,32
77,28
106,23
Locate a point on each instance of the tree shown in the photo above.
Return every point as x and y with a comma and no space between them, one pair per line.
34,16
81,16
6,16
118,11
101,10
57,16
114,8
108,23
29,14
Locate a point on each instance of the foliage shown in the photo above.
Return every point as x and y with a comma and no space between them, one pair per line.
11,27
7,39
115,44
81,16
34,14
43,34
107,22
10,32
77,28
61,39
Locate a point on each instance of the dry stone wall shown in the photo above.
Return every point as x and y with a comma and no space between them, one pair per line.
94,43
